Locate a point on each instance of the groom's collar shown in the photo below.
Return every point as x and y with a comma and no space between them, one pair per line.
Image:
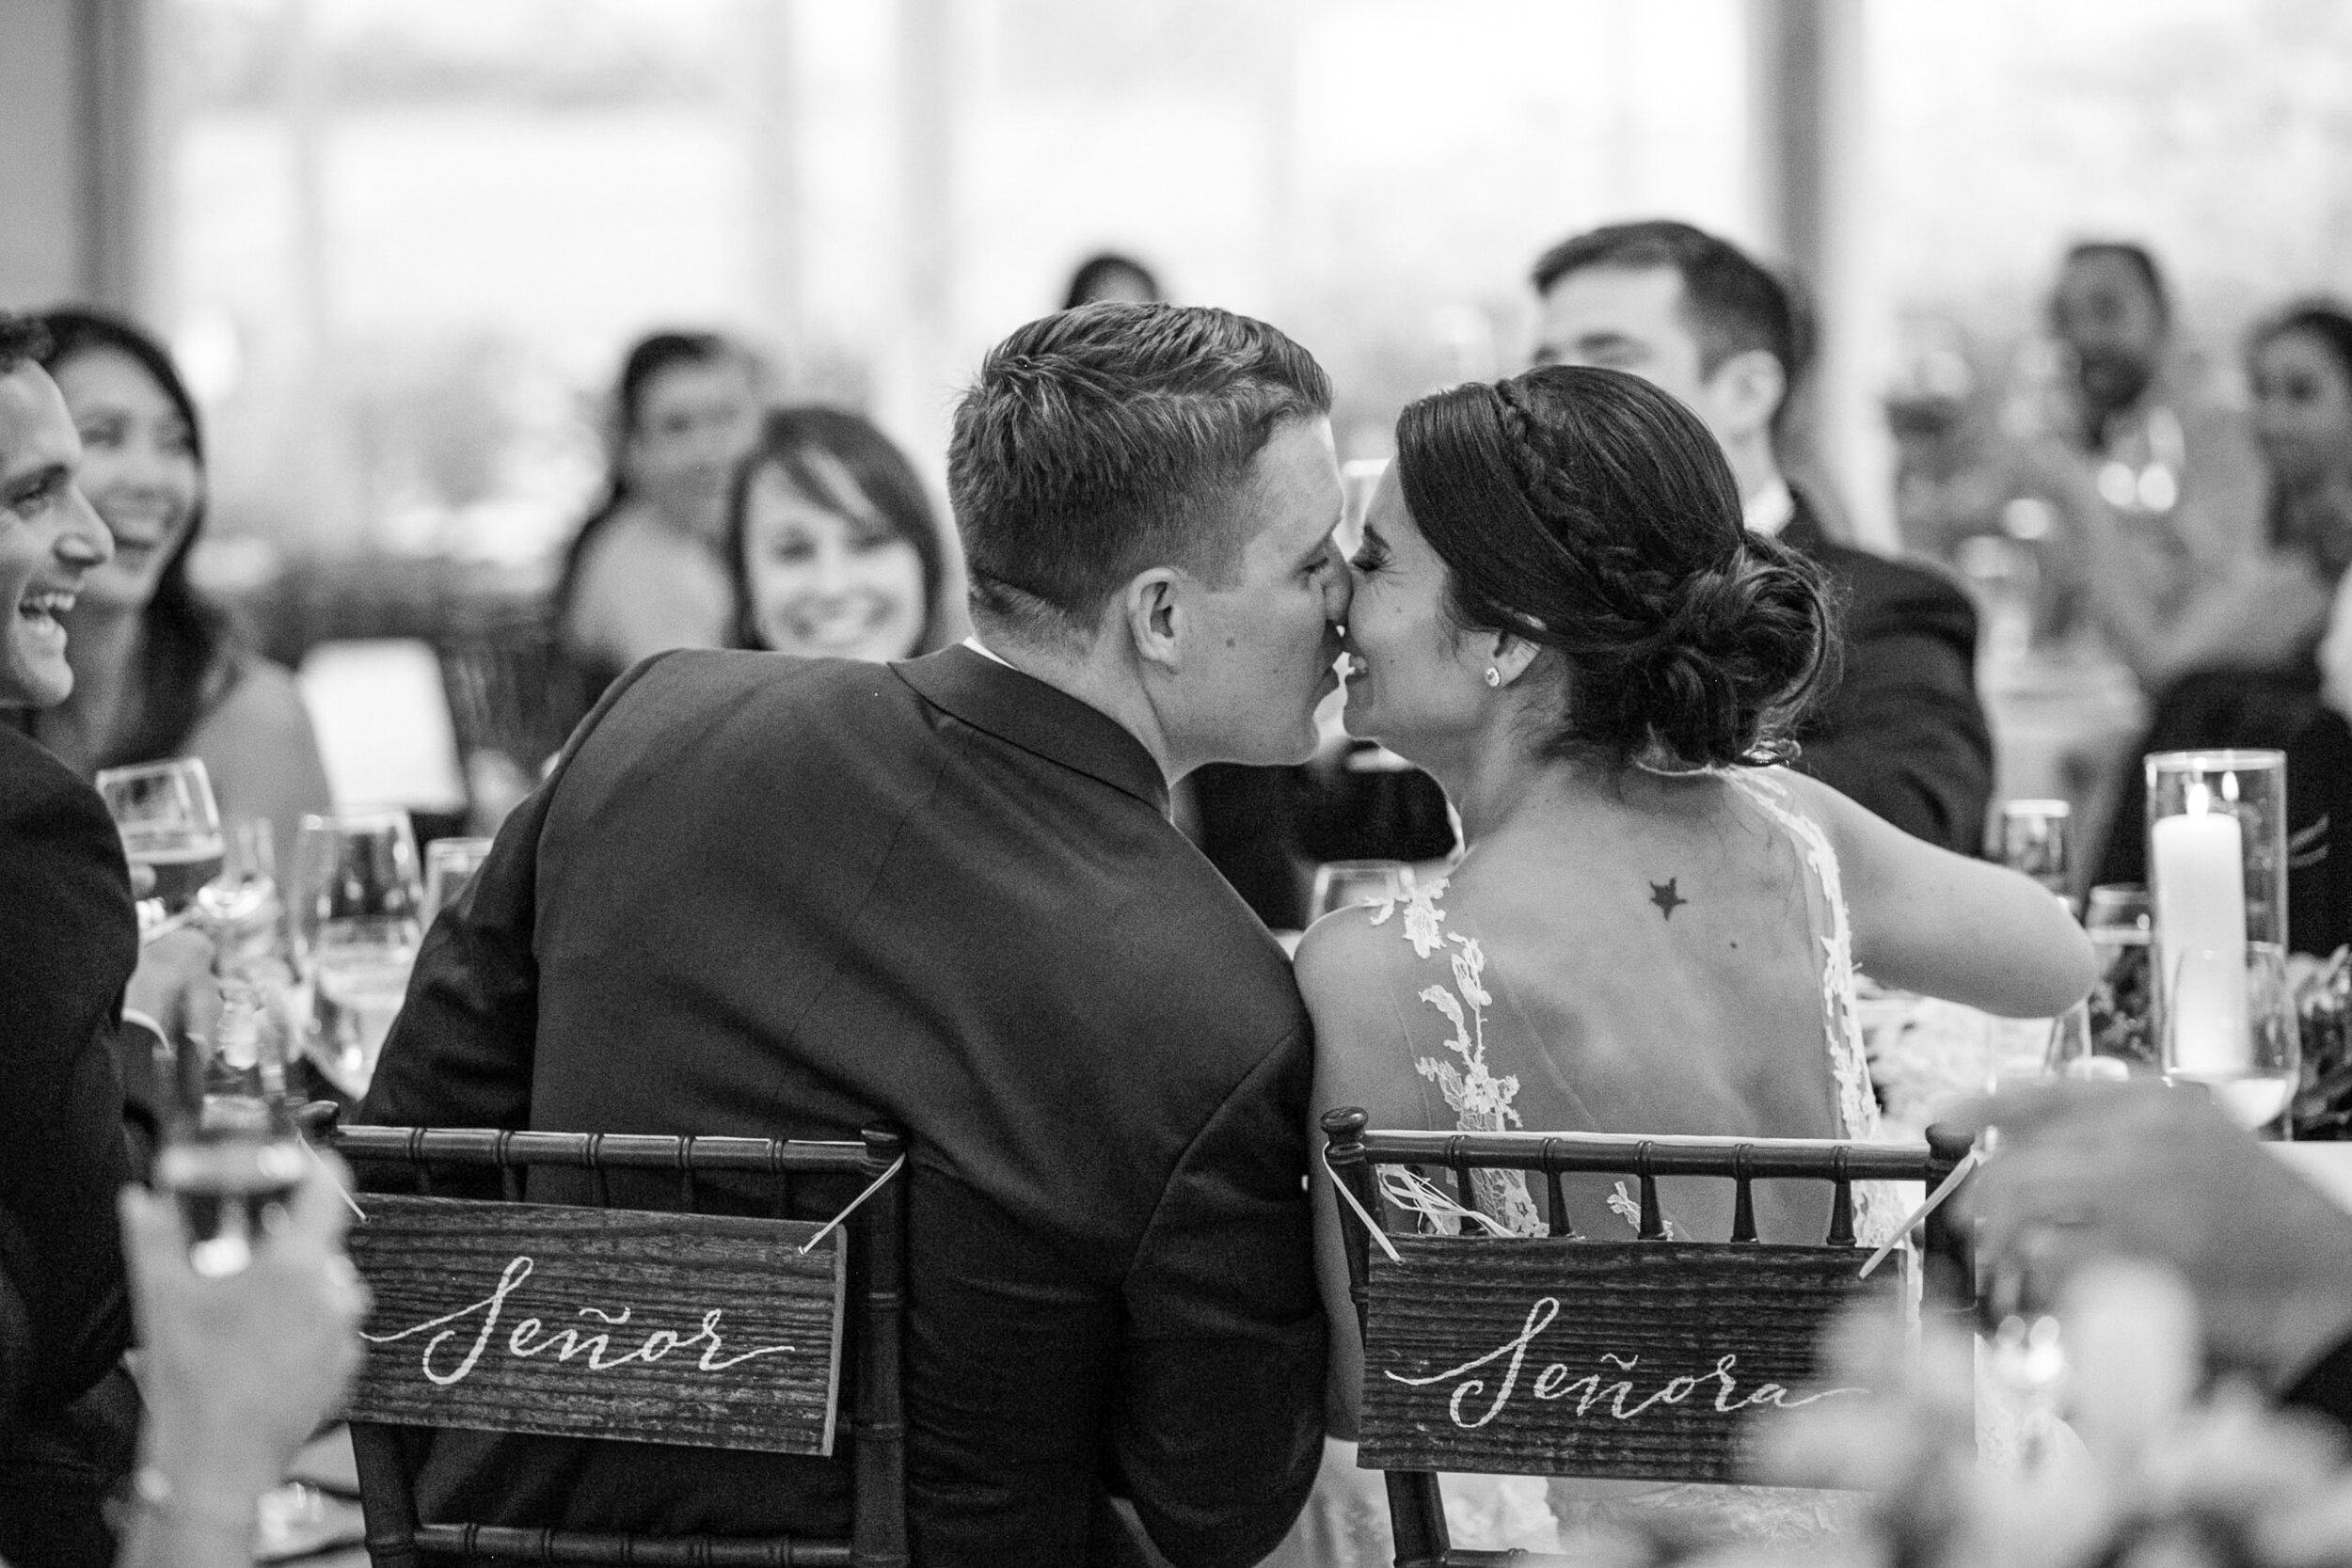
986,693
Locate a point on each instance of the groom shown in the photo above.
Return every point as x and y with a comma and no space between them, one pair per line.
782,897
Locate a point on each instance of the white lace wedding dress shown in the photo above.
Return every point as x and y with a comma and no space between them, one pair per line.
1470,1038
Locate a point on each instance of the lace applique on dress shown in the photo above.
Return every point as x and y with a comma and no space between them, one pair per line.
1876,1212
1480,1101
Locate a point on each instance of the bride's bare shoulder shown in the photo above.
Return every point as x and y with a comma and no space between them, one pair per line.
1354,952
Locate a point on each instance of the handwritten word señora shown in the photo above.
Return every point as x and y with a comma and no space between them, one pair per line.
526,1340
1553,1382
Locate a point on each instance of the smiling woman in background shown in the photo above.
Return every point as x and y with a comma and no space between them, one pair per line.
157,672
833,545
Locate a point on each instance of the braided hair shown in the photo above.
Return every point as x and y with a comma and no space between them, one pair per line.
1590,514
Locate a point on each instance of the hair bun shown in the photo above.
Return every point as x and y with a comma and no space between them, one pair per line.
1737,648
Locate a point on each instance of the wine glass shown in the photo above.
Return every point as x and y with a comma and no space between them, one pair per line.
2230,1024
449,865
249,875
1340,885
169,824
358,919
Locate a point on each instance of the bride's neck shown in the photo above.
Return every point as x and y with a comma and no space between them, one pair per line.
1495,778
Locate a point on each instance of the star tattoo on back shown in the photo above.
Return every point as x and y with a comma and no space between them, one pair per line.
1666,899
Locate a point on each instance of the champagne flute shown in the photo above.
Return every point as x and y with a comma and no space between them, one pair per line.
2231,1025
358,919
169,824
449,865
1342,884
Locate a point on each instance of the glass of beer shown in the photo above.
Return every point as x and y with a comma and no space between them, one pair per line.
169,824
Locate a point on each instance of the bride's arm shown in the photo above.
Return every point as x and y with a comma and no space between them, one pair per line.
1360,1060
1929,921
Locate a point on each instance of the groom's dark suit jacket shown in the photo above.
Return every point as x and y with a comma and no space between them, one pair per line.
774,896
69,940
1901,729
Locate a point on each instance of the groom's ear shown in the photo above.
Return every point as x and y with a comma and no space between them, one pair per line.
1155,615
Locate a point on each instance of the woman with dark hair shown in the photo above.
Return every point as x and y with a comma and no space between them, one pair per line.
156,671
645,573
2268,609
2255,661
832,542
1654,928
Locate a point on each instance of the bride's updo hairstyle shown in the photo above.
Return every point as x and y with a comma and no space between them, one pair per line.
1590,514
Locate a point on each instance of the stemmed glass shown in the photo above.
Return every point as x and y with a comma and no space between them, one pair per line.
2231,1025
169,824
1340,885
358,917
449,865
229,1157
249,875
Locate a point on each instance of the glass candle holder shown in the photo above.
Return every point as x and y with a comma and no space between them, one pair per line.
2216,863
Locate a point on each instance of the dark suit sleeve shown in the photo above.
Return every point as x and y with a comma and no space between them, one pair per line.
460,1053
1902,733
1218,1428
69,940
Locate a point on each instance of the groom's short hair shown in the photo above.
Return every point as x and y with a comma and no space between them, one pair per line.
1103,441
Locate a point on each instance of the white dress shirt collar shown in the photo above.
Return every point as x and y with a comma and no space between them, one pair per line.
1770,509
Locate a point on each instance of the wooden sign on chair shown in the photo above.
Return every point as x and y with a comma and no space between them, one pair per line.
1637,1359
699,1330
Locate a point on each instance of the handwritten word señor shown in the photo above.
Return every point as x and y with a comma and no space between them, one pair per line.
1553,1382
526,1338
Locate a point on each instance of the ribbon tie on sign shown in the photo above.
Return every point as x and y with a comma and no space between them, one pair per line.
1950,1185
835,1224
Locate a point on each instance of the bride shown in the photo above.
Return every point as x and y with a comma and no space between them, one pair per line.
1655,928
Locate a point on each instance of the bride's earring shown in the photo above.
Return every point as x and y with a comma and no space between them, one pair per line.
1494,677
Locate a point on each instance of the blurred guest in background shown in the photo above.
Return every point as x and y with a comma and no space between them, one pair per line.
2263,607
79,995
647,572
157,671
2091,1171
835,547
2169,456
1900,730
2242,664
1110,276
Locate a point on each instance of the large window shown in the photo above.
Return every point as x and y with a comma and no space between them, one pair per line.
409,238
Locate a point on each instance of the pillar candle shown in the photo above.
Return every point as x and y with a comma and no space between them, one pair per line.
2199,860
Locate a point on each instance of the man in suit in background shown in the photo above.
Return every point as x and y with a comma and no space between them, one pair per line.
69,954
783,897
1901,731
